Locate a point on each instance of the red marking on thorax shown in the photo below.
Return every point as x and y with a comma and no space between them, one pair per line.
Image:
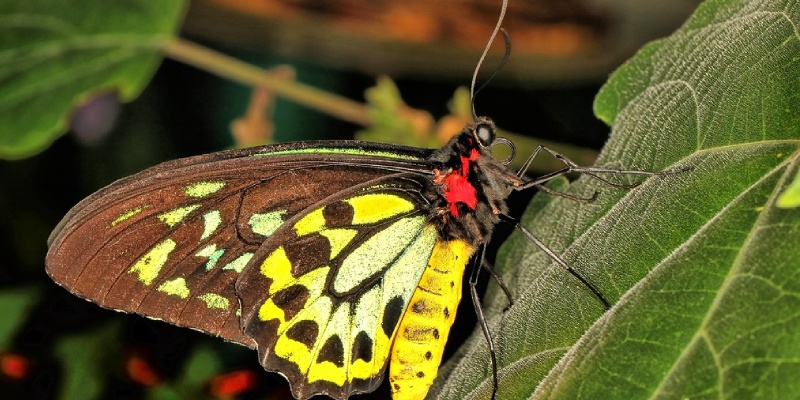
458,189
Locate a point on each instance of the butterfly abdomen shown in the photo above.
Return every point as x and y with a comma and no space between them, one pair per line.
424,327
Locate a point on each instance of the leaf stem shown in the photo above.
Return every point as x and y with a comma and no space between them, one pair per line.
239,71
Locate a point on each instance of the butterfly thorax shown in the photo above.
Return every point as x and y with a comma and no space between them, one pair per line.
470,187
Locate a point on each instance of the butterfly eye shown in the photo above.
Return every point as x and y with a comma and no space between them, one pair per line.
485,134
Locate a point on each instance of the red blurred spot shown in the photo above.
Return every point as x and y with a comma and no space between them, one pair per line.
14,366
232,383
141,371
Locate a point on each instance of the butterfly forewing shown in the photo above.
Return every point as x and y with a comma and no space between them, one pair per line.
325,293
170,242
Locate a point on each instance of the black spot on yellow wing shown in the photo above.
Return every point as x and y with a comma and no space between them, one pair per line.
362,347
291,300
332,351
307,253
391,314
305,332
339,213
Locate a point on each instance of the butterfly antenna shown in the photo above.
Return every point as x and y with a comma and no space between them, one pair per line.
511,149
497,28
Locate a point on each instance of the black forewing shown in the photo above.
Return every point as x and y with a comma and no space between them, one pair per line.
94,249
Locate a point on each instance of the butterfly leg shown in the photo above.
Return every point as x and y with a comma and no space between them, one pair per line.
567,195
499,281
571,166
550,253
476,303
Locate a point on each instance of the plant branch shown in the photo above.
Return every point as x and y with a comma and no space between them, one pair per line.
239,71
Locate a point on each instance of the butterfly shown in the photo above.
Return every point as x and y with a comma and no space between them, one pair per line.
308,252
333,259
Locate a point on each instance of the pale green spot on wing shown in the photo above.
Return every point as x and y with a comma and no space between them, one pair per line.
338,238
127,215
203,189
175,287
378,252
211,221
214,300
239,263
266,224
150,264
173,217
212,253
207,251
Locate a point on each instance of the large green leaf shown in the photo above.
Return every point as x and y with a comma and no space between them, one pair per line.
701,267
55,54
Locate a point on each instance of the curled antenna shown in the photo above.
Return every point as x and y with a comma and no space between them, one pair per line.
507,42
497,28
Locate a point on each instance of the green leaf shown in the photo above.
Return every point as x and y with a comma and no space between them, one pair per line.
15,304
56,55
201,366
393,121
701,267
86,358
